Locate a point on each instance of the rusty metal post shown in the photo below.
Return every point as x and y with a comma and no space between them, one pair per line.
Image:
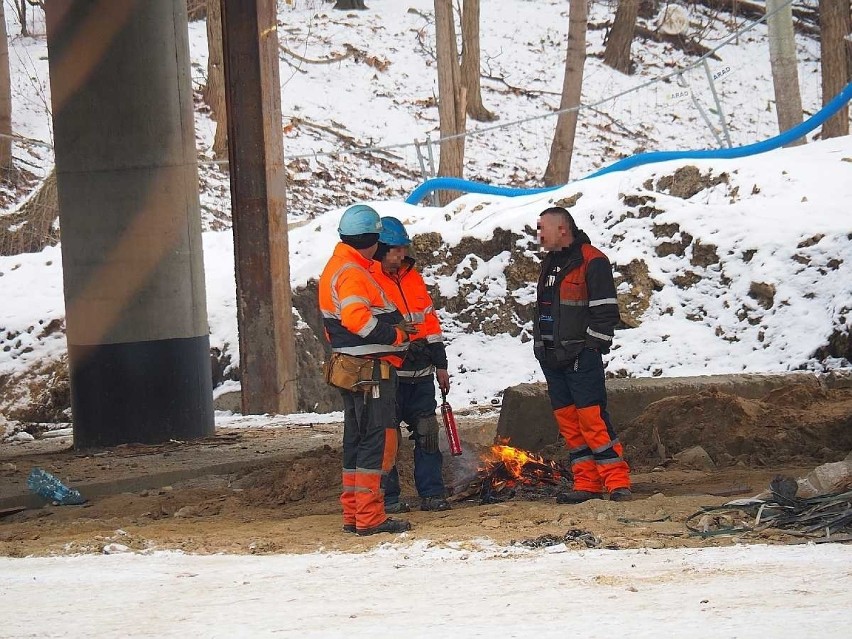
258,207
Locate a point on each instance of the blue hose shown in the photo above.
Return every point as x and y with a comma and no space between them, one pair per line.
798,131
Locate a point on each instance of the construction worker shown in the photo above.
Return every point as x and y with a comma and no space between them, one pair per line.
426,358
369,336
577,314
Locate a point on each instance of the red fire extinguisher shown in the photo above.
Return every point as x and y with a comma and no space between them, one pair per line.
450,426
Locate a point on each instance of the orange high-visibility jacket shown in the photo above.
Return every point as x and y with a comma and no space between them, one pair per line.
407,290
357,316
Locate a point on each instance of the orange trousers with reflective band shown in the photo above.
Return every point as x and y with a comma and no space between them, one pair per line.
585,432
370,443
578,398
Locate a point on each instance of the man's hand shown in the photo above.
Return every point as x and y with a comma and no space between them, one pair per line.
443,380
406,327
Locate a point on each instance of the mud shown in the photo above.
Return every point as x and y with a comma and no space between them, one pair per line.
283,494
793,425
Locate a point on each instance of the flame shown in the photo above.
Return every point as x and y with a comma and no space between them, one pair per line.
522,465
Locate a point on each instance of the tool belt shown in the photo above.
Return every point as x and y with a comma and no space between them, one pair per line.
354,373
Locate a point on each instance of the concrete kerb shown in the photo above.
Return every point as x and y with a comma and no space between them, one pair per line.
526,418
151,481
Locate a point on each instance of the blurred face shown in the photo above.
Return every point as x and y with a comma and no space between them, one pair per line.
554,233
392,261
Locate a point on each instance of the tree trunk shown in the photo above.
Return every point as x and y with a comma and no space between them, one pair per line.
562,149
451,96
34,225
350,5
835,21
470,62
5,95
617,52
196,10
214,92
785,72
21,6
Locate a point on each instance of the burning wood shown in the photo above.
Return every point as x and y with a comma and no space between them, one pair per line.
507,472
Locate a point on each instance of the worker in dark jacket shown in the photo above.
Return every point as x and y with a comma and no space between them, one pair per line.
366,333
577,311
425,360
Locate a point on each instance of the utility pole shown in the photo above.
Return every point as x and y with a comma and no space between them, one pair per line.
258,206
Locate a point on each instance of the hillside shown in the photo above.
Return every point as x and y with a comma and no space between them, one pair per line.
723,266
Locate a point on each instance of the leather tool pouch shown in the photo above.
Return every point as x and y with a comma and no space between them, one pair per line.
354,373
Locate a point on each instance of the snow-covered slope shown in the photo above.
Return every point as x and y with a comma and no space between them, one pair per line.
750,272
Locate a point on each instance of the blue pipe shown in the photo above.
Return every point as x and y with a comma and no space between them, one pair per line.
798,131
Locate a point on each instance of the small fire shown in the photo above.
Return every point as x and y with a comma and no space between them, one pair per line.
506,466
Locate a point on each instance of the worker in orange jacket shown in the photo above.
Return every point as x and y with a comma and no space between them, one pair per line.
425,360
360,322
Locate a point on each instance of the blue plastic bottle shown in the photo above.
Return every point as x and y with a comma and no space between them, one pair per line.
46,485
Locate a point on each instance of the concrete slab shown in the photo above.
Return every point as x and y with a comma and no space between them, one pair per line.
527,421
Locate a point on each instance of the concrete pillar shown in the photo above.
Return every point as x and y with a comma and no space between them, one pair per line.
136,315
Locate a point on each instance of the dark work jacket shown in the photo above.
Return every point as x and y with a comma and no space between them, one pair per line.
584,306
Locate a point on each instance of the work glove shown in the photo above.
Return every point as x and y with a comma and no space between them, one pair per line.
419,347
408,329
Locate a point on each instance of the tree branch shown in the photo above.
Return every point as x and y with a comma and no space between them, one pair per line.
519,90
686,45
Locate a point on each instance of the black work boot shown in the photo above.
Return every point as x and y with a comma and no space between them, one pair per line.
389,525
349,528
397,507
577,496
621,494
434,503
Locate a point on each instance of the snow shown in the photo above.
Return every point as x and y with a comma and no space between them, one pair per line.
771,204
771,209
423,590
712,327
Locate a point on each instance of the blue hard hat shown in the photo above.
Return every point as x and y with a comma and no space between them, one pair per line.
393,232
358,220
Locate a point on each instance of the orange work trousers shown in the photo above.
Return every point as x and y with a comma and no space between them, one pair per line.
370,443
578,398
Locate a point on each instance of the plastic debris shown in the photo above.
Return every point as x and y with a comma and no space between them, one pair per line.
49,487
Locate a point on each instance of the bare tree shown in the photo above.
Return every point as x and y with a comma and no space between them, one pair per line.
5,95
617,51
835,21
214,92
451,95
470,62
196,9
785,71
21,10
350,5
562,148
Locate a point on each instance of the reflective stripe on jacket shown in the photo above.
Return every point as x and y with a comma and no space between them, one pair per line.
358,318
407,290
587,310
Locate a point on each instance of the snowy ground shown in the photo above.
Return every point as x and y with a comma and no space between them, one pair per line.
422,591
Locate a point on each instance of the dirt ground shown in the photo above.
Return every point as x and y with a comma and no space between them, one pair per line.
287,502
